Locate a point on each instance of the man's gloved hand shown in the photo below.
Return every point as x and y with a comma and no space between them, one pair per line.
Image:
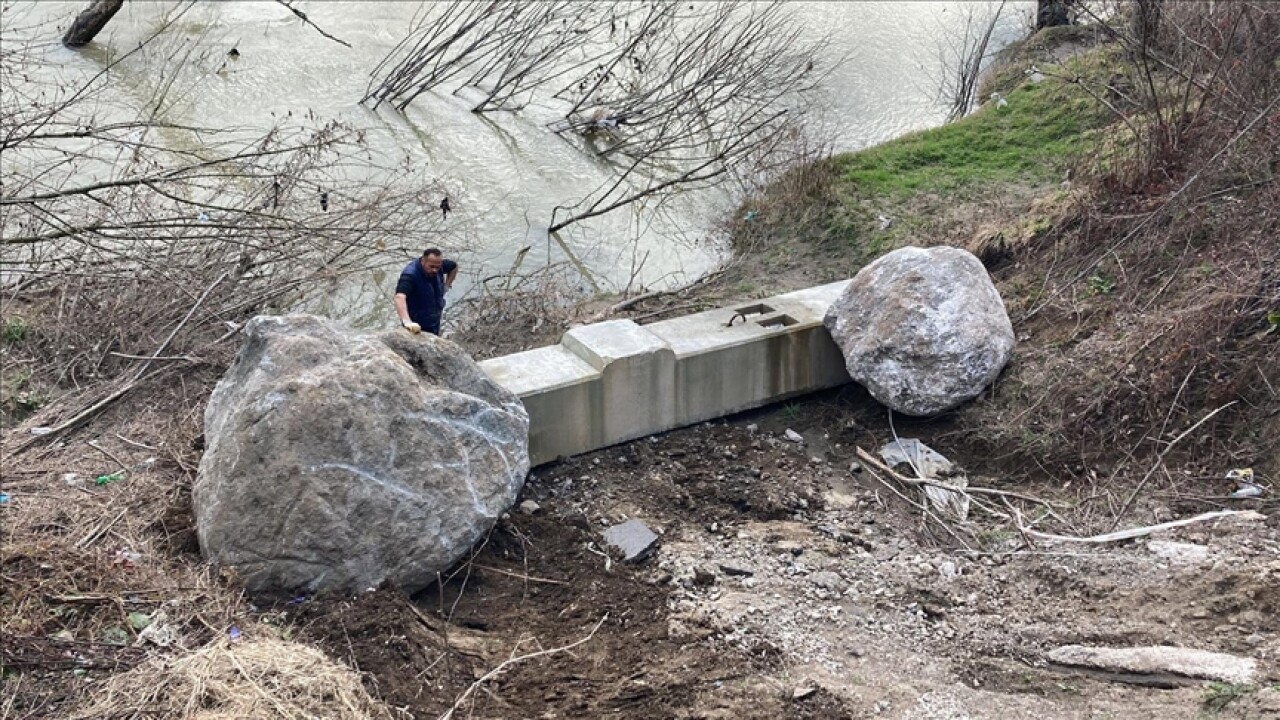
412,327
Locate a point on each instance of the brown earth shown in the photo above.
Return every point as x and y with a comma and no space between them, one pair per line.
848,596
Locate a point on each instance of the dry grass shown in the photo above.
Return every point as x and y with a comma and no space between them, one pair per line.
260,678
100,580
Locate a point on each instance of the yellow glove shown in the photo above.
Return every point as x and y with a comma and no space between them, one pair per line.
412,327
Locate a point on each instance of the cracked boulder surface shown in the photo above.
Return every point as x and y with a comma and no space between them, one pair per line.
337,460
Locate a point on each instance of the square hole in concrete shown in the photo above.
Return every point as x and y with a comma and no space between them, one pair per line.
777,321
758,309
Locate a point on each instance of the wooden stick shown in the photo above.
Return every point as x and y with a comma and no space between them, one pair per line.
101,530
93,444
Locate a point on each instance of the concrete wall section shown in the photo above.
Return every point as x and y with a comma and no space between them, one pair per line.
616,381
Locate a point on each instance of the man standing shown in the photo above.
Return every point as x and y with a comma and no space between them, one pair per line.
420,291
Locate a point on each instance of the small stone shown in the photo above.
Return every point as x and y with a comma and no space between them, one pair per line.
855,467
703,577
815,460
790,546
801,693
633,539
529,507
886,553
732,571
753,428
794,436
948,570
827,580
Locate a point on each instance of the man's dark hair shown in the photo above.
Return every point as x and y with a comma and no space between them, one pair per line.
432,251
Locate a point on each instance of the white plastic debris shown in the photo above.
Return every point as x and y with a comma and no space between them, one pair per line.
930,465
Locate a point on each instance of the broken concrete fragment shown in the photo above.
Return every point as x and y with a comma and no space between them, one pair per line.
633,539
801,693
1158,660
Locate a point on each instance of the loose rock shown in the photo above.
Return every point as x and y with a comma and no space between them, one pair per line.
633,539
923,329
1158,660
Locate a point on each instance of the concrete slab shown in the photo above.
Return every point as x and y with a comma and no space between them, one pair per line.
615,381
633,539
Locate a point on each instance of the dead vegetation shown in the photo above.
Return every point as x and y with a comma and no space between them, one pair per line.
1151,304
262,678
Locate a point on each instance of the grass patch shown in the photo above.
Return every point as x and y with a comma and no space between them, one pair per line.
14,329
1220,694
1032,138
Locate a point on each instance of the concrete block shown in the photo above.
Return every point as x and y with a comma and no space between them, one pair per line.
637,374
615,381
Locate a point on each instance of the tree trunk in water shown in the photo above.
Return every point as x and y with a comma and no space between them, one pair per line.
90,22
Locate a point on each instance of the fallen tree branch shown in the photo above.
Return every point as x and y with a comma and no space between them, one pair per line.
917,482
632,302
506,664
307,21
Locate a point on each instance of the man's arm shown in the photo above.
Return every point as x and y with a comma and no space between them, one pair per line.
450,272
402,308
402,305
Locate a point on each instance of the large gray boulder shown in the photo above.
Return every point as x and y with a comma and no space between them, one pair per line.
335,460
923,329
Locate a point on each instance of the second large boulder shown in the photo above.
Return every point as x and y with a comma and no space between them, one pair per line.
336,460
923,329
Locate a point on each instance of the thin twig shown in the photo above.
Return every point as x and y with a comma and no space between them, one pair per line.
506,664
122,464
1159,462
528,578
306,20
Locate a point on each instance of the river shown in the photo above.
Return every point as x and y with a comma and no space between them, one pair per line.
505,172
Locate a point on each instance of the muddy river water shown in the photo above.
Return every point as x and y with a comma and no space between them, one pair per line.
505,171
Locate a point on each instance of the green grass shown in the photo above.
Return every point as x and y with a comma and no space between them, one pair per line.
1219,695
1031,139
14,329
